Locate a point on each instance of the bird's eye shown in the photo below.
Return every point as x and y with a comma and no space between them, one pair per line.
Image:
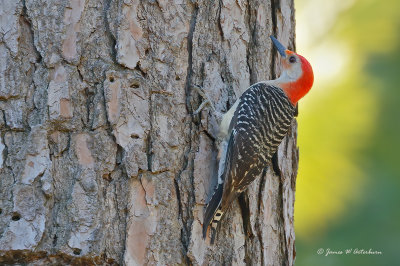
292,59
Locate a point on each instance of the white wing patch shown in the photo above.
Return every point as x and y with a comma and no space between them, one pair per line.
226,121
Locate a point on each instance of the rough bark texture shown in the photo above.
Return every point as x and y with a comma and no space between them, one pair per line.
102,161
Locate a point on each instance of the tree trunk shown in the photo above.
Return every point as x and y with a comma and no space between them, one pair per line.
102,161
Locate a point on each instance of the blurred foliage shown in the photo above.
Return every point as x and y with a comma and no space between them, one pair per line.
349,127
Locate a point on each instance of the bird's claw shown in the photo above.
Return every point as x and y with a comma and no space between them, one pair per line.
206,101
202,105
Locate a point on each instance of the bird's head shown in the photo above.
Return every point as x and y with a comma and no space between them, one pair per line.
297,76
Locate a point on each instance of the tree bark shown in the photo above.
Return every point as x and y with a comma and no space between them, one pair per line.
102,160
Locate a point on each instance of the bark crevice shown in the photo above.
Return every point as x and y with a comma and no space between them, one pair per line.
186,215
275,4
109,34
28,21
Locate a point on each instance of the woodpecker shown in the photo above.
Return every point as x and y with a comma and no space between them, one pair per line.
252,130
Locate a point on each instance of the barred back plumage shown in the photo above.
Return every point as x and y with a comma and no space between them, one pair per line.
259,124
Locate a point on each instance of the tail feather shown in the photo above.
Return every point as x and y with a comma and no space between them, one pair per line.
212,209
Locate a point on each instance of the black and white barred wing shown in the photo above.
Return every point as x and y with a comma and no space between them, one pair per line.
259,125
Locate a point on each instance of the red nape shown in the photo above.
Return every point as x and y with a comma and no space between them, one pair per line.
296,90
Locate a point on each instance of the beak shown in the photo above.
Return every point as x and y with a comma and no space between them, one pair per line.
281,49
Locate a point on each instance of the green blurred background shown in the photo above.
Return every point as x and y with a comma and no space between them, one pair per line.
348,187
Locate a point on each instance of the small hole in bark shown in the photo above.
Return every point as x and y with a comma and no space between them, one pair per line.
177,78
134,136
107,177
1,211
77,251
134,86
111,79
218,214
120,155
15,216
55,240
146,52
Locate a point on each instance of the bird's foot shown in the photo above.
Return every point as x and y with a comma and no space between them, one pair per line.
206,101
